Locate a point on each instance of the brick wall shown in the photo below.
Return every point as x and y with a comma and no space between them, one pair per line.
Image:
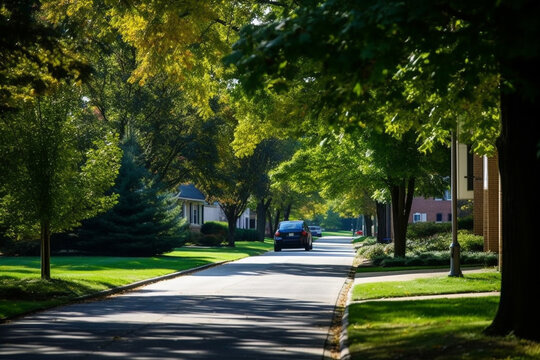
431,207
491,206
478,206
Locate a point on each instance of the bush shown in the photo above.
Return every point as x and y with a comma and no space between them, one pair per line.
377,260
399,261
470,242
441,242
427,229
23,247
376,250
215,227
435,258
221,229
480,258
246,235
210,240
465,223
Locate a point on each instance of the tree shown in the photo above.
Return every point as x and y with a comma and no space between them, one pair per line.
364,45
233,179
35,55
53,181
146,221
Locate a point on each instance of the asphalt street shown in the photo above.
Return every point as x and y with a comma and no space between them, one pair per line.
273,306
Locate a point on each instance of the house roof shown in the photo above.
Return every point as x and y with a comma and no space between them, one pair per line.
190,192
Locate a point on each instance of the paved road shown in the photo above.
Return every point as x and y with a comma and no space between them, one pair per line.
274,306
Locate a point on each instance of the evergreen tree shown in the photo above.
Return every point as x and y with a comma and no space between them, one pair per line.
146,221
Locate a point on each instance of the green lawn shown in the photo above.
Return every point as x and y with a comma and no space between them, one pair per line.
345,233
440,329
22,290
364,269
478,282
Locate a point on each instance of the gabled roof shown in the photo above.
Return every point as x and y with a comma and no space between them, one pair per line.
190,192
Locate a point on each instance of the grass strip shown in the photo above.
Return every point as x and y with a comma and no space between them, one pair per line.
344,233
367,269
443,329
22,290
476,282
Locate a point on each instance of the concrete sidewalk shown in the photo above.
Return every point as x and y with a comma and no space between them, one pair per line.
371,277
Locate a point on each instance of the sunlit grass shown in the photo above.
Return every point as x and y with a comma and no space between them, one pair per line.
441,329
22,290
344,233
476,282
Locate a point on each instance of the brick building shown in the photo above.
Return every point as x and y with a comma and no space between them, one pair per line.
487,202
431,209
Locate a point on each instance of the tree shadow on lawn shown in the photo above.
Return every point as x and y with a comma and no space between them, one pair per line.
143,325
430,329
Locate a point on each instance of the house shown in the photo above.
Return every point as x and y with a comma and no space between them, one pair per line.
193,204
197,211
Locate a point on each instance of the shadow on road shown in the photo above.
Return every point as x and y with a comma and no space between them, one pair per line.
234,327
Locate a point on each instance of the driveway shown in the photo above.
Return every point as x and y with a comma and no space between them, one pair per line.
273,306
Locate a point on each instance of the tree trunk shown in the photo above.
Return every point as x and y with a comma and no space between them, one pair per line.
270,224
519,165
401,207
381,221
276,219
287,212
369,223
232,227
45,250
262,208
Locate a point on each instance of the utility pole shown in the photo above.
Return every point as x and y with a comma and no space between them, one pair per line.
455,269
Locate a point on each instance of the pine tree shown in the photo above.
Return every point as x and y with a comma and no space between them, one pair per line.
146,221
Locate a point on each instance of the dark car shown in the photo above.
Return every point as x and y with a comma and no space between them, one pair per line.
293,234
315,230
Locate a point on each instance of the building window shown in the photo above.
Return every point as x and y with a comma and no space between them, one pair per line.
195,218
449,217
439,217
419,217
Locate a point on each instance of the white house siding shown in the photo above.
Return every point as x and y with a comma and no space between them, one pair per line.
214,213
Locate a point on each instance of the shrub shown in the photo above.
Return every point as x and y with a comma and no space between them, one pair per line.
376,250
441,242
434,258
427,229
465,223
246,235
480,258
470,242
221,229
210,240
215,227
377,260
399,261
22,247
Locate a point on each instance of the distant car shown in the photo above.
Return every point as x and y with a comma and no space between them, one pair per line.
293,234
359,232
315,230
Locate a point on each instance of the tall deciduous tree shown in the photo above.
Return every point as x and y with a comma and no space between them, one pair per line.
363,45
53,181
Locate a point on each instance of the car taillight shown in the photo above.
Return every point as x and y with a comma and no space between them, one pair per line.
304,233
277,233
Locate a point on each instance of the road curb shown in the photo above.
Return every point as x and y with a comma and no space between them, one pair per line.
344,353
144,282
117,290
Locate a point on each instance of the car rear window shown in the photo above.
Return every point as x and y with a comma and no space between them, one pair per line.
315,227
290,226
